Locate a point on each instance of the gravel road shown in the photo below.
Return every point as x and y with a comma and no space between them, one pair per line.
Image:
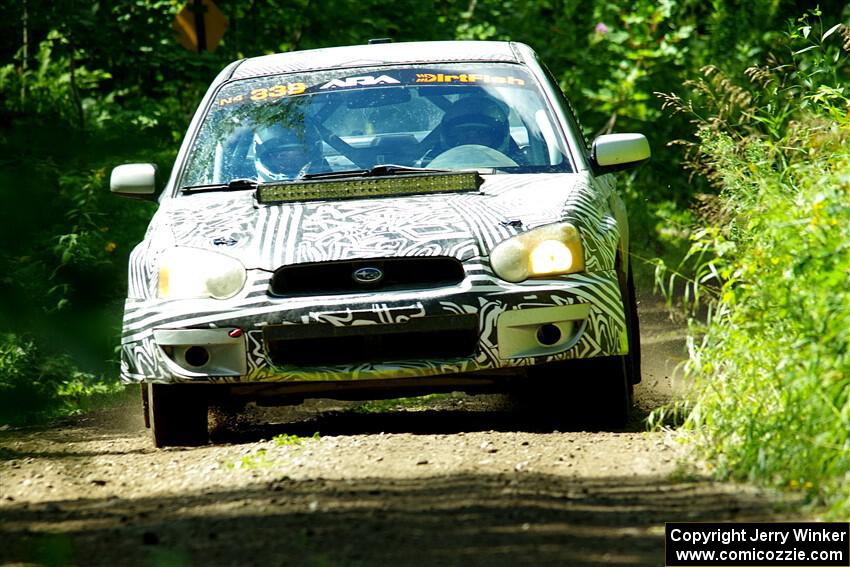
445,480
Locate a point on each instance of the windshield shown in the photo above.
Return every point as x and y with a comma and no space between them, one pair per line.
488,117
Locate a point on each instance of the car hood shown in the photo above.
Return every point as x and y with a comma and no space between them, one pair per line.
460,225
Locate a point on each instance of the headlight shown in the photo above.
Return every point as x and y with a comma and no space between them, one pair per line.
186,273
546,251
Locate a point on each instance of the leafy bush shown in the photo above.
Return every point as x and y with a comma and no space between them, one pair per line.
771,365
65,242
34,386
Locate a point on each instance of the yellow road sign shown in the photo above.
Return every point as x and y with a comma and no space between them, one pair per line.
200,25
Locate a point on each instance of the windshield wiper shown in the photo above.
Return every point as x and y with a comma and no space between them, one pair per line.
377,171
232,185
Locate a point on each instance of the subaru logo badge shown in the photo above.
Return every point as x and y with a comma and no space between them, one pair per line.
368,275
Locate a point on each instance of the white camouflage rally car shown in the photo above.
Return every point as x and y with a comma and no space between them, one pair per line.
369,221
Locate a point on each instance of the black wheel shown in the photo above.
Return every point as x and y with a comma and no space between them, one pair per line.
593,392
605,392
632,328
178,414
145,409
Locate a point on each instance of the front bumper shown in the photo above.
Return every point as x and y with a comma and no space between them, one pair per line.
481,324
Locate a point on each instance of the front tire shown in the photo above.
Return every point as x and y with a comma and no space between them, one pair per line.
632,328
607,392
145,406
178,414
591,392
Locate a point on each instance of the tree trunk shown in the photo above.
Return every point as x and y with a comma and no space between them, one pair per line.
75,92
25,47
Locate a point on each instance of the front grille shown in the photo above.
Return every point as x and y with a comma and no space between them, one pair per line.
429,338
329,278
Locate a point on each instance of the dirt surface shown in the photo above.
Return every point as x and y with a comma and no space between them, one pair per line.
448,480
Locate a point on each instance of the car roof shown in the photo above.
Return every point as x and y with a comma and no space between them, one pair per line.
378,54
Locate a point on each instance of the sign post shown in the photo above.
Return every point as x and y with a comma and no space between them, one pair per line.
200,25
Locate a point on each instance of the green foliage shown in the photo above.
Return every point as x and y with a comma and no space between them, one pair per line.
34,386
644,42
771,364
52,86
261,459
285,439
258,459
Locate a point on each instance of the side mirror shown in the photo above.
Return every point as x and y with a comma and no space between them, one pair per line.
136,180
616,152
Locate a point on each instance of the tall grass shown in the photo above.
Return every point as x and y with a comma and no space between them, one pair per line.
771,364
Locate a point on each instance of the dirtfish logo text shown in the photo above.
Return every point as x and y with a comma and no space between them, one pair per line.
468,78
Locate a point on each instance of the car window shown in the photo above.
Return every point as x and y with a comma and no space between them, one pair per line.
456,117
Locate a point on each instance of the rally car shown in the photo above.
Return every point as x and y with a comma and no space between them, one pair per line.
367,221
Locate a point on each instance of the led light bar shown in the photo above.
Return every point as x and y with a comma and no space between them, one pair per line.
365,187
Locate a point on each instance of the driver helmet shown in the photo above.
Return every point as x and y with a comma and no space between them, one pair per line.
477,119
283,153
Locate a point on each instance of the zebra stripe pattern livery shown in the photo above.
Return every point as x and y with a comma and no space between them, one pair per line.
464,226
